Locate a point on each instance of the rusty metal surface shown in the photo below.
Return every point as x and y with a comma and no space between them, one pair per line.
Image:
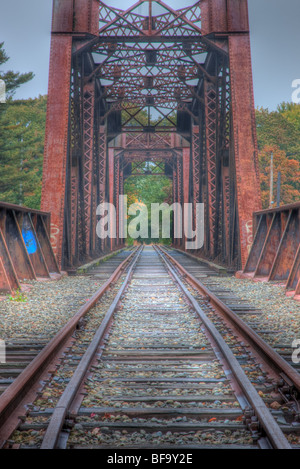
114,63
25,247
56,139
246,161
275,251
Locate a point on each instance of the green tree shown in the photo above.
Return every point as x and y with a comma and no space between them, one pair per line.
12,80
148,190
21,158
21,138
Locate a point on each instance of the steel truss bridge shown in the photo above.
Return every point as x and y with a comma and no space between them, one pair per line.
150,83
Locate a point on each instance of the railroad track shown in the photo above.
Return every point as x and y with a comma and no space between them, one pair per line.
30,361
241,314
209,278
156,374
279,377
21,352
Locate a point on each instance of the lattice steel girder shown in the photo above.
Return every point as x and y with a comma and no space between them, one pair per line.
176,182
186,161
116,196
88,157
211,115
112,190
195,158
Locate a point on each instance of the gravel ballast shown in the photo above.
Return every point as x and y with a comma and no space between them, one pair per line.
279,312
45,307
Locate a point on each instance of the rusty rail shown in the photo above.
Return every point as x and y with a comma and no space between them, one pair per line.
59,414
267,421
275,252
25,247
14,394
268,353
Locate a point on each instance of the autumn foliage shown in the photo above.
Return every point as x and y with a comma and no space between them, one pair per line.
278,133
290,176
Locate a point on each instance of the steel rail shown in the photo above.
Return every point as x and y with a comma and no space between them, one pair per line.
60,412
268,423
15,393
266,351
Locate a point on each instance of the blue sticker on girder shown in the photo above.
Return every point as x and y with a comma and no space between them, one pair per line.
29,241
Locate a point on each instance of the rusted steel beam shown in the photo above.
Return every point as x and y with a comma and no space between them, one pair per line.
86,17
186,180
111,186
211,114
4,279
228,26
259,240
180,183
275,253
61,194
56,139
62,16
25,248
176,241
195,149
88,160
117,193
8,277
17,248
102,158
287,248
237,15
77,17
293,282
33,245
214,16
42,230
269,247
244,135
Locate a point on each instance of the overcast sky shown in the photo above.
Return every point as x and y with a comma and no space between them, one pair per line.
275,41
